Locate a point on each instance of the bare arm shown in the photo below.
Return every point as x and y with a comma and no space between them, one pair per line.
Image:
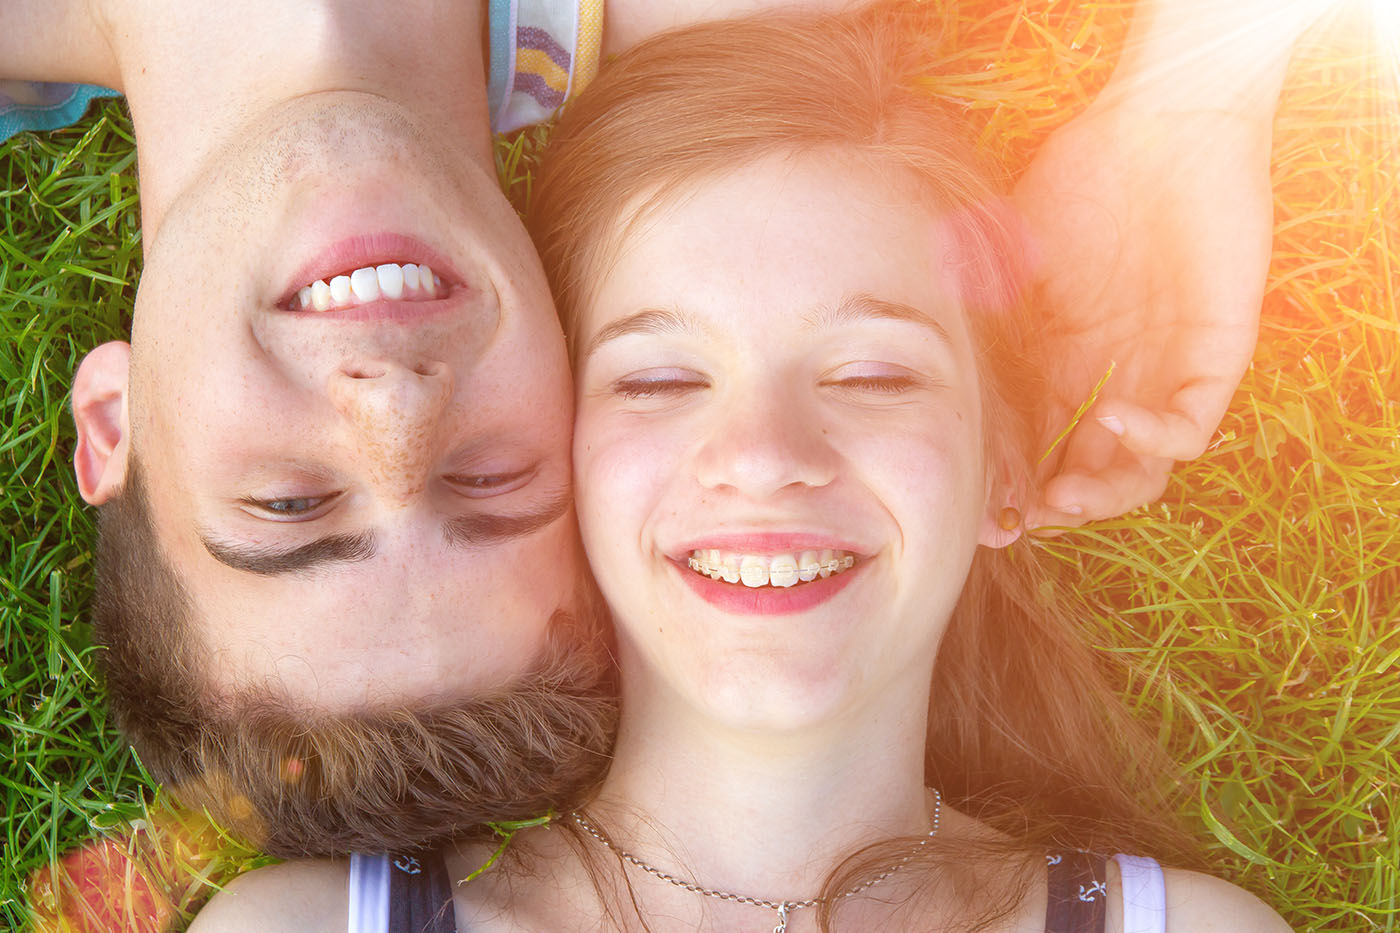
55,40
1153,216
293,897
1198,903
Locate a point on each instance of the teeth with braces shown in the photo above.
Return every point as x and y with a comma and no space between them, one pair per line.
392,281
781,570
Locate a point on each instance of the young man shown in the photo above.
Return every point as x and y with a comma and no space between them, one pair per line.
318,512
337,562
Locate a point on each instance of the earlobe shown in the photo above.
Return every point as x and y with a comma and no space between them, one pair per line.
1001,526
1002,521
100,413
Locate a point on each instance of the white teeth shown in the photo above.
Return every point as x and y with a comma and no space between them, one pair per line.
365,284
781,570
390,278
340,289
390,281
730,571
754,572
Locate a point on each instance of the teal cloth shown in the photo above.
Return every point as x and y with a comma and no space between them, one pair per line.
33,105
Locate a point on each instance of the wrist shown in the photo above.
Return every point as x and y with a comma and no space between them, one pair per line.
1193,55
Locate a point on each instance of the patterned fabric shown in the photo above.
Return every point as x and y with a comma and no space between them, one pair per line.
543,52
1078,892
34,105
400,894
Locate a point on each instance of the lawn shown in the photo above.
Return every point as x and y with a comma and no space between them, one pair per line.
1257,605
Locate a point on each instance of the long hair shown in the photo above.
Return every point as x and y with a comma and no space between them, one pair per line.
1024,732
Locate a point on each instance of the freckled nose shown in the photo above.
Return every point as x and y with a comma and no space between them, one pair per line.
765,445
395,412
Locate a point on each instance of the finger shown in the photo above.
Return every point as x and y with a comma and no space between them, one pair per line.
1109,492
1179,431
1090,447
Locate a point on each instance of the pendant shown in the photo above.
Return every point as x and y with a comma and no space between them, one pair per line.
782,919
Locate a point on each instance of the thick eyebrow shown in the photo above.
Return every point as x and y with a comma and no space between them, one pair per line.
479,529
647,321
855,308
269,561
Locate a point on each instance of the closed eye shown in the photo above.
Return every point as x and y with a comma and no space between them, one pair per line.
289,508
658,384
889,385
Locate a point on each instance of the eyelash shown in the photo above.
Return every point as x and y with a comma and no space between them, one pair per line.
651,388
267,506
887,385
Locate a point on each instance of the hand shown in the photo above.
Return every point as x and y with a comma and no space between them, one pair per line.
1152,232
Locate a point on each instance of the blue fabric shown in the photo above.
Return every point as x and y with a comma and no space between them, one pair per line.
32,105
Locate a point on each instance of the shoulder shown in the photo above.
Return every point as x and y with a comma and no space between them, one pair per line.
1198,903
295,897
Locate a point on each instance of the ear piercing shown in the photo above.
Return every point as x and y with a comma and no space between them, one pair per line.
1009,519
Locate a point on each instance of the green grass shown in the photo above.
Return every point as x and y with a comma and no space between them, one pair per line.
1257,605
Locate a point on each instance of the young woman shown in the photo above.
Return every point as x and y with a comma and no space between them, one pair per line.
806,387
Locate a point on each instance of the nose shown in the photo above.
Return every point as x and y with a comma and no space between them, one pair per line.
763,441
394,411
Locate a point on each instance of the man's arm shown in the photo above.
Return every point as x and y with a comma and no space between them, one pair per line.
1153,215
56,40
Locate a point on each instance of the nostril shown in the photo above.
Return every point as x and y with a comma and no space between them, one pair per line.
364,372
435,368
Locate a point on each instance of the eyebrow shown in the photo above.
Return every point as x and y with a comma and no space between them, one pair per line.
270,561
850,310
646,321
856,308
477,530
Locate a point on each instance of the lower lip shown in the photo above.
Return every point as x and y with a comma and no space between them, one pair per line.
387,309
737,599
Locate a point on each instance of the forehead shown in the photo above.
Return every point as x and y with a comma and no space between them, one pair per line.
790,230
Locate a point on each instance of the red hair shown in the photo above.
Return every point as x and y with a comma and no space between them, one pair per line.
1024,731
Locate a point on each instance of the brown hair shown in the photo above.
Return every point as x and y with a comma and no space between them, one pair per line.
302,784
1024,731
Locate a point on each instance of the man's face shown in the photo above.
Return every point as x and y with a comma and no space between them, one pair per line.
369,501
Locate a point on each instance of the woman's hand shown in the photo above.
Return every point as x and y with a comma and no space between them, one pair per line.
1152,219
1153,232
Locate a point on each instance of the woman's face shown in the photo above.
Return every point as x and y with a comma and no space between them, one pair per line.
779,457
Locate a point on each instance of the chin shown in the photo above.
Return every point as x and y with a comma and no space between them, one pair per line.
776,701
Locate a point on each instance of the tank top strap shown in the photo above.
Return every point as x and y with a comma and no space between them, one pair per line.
1144,894
420,894
1077,892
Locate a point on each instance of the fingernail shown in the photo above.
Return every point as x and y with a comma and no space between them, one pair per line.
1070,509
1111,423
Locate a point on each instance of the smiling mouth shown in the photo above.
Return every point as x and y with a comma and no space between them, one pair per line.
389,281
769,570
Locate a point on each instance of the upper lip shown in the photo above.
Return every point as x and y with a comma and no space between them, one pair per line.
767,542
375,249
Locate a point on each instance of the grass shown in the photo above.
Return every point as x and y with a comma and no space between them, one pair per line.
1257,605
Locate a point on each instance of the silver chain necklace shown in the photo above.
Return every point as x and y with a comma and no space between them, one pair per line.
783,908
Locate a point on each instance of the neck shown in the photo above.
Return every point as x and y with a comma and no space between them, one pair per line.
214,73
762,814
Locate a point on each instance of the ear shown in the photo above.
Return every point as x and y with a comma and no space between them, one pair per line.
100,412
1002,521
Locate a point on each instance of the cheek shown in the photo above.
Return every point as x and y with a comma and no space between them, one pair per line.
621,466
930,481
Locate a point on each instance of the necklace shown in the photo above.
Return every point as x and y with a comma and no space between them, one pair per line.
783,908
